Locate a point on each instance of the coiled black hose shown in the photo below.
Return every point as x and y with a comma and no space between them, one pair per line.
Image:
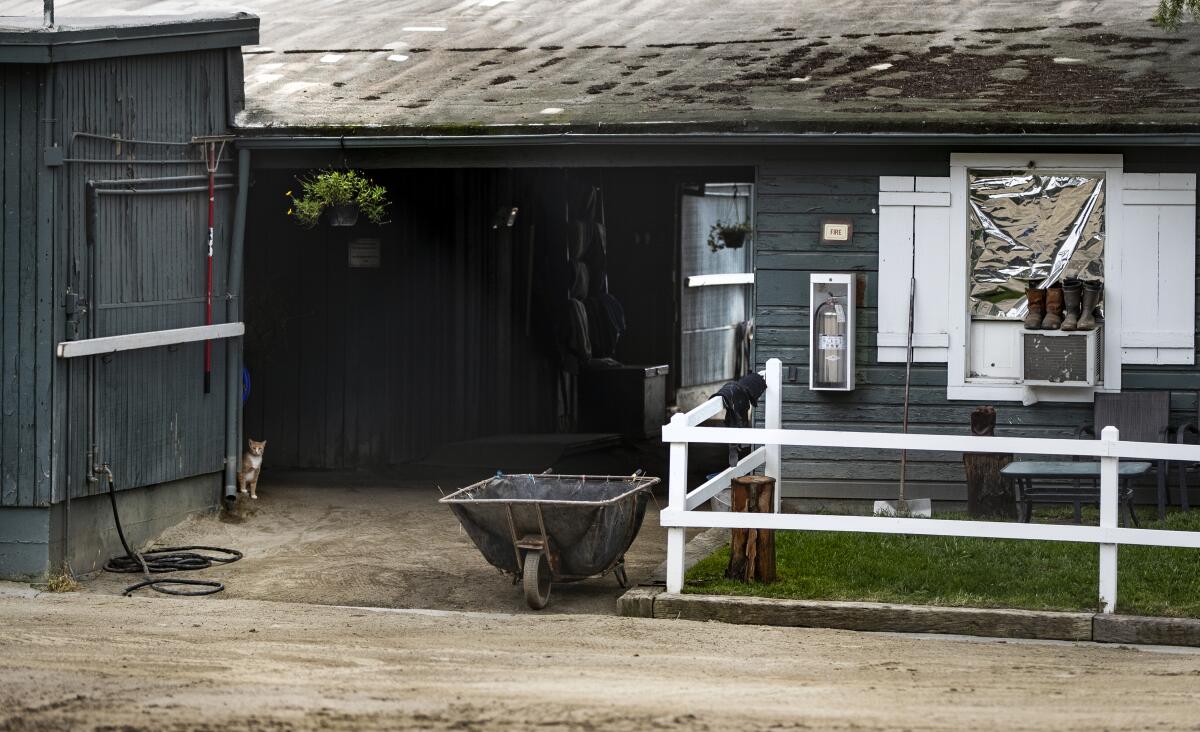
164,560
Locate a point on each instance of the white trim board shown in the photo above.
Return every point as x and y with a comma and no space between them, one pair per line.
732,278
149,339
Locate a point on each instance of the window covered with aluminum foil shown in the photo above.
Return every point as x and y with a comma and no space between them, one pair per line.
1028,229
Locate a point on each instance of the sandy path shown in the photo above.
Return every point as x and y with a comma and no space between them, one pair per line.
88,661
349,539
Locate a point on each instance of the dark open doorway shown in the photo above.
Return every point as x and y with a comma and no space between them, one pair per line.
373,346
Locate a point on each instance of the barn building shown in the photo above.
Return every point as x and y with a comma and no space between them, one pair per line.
936,156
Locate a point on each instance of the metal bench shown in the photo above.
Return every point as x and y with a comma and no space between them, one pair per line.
1062,481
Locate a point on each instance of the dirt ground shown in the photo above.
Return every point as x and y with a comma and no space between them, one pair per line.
306,637
355,539
89,661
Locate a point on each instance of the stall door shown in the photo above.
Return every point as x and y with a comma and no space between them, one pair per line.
717,290
151,416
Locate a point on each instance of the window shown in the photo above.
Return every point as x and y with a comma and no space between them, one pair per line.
1027,228
1017,219
971,242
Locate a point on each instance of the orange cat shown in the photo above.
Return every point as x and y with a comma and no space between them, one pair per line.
251,468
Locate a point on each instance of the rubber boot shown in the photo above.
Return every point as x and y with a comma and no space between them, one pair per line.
1091,298
1072,290
1037,307
1054,306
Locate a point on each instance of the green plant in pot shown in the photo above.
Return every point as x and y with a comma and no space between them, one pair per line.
729,235
341,195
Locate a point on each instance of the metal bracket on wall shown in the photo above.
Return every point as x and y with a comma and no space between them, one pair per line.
75,307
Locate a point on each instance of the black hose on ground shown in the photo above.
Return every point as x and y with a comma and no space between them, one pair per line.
164,560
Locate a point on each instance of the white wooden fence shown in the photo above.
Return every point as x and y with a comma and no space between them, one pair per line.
680,514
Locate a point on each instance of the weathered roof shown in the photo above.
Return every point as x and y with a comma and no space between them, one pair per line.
25,39
711,65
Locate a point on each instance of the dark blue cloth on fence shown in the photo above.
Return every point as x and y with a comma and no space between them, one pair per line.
738,396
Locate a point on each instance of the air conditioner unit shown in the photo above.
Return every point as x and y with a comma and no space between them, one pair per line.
1062,358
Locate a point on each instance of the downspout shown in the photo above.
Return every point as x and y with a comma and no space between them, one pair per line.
91,224
233,286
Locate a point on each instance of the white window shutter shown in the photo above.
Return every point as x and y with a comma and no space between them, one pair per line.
914,215
1158,269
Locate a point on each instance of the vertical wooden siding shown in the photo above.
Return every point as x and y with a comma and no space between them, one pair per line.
368,367
791,202
155,422
24,297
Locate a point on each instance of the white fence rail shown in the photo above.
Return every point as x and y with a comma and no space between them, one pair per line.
680,514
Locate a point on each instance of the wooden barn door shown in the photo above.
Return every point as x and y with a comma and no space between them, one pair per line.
148,412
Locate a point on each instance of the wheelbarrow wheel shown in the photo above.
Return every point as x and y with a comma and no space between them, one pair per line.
619,573
536,578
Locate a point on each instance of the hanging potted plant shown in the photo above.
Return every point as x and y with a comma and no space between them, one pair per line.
732,230
342,195
728,236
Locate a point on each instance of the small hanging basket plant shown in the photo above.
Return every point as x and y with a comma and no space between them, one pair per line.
729,235
342,195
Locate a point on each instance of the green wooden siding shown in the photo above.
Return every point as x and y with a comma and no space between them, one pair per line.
155,423
25,318
792,199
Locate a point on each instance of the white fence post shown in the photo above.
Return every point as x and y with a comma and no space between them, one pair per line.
773,421
676,501
1108,520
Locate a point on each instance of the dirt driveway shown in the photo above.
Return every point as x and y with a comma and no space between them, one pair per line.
88,661
354,539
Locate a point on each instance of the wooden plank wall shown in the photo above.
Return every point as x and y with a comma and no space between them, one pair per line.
25,322
791,201
355,368
155,422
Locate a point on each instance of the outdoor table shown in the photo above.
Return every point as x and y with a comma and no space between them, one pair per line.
1061,481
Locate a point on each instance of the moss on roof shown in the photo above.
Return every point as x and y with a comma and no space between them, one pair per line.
422,67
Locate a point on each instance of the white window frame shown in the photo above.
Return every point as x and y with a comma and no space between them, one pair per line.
959,386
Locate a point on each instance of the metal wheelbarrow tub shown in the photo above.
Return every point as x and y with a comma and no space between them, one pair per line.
553,528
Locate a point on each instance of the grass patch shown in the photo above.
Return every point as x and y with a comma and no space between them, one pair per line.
966,572
62,581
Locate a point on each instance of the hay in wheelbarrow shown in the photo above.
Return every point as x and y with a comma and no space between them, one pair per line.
553,528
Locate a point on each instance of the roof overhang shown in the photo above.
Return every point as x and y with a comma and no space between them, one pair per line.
27,41
567,139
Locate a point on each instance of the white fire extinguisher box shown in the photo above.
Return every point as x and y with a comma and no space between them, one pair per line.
831,323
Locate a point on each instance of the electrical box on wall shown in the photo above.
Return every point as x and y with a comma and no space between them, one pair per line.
831,325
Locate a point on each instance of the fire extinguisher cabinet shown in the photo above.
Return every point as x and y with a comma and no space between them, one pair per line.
831,323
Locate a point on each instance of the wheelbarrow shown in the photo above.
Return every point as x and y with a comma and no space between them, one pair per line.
548,528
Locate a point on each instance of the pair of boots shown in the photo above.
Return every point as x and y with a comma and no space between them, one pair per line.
1069,306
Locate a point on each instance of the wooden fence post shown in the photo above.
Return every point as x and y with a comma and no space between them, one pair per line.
752,551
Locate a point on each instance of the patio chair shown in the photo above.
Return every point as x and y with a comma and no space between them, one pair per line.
1140,416
1181,438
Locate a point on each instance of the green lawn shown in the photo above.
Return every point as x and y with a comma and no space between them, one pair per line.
935,570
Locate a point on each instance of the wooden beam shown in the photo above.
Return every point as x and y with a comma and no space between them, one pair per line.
149,339
880,617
